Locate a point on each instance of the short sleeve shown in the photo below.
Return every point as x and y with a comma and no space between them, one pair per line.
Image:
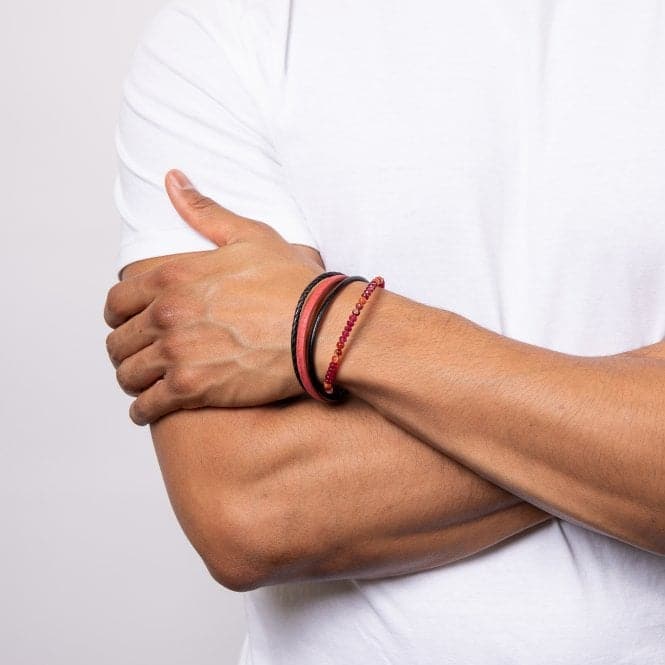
186,104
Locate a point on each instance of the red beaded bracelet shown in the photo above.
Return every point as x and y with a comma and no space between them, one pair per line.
333,367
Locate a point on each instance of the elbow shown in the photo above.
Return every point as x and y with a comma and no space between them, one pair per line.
237,578
254,548
238,562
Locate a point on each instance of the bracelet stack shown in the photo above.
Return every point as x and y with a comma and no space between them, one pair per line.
310,311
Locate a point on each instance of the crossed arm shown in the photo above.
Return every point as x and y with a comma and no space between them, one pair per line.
582,438
507,426
297,490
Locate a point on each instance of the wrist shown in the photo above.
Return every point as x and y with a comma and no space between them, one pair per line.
332,324
370,342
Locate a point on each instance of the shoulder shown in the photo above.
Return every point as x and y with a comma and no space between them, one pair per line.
247,37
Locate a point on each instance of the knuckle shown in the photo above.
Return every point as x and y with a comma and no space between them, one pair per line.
123,377
110,348
183,381
170,273
138,413
112,305
166,313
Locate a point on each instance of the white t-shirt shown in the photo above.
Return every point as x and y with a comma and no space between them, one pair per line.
503,160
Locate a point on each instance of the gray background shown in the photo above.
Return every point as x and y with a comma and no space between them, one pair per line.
94,567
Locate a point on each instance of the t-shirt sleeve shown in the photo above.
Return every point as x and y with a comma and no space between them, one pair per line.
187,103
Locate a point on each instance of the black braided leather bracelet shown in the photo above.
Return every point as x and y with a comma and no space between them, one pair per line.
296,318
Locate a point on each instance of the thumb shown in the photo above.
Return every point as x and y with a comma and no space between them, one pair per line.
203,214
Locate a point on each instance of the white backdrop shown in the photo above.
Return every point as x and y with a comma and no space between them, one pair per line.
94,568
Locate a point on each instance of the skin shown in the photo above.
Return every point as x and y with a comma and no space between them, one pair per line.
213,330
298,491
583,438
367,499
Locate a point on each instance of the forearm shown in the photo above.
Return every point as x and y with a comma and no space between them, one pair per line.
390,555
583,438
375,500
348,494
301,489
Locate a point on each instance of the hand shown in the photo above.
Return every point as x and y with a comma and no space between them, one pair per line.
212,328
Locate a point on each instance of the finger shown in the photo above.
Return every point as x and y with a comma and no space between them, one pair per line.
129,297
130,337
140,371
208,217
158,400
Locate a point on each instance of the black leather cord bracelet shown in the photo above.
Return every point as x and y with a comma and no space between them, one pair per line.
296,317
338,393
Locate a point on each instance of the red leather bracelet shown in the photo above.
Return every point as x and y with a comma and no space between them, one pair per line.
309,309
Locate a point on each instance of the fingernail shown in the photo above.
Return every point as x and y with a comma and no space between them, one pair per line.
180,180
